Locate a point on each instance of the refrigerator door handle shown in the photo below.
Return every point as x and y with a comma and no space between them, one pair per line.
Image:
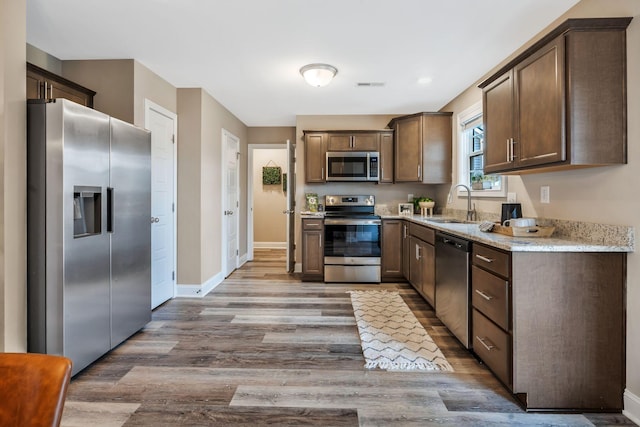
109,210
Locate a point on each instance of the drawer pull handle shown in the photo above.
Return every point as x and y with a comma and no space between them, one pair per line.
484,258
488,347
483,295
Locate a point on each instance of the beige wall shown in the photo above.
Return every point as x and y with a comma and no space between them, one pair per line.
269,224
148,85
189,186
43,60
111,79
201,120
121,87
271,135
601,195
13,209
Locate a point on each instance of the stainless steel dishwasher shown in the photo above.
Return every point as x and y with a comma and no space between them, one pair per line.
452,284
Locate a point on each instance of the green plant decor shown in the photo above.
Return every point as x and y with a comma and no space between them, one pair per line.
417,200
271,175
284,182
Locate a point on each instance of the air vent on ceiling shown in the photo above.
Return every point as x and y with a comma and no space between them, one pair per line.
370,84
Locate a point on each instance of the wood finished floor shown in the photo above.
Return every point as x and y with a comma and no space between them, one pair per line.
266,349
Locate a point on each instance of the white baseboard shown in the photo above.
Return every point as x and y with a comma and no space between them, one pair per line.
631,407
270,245
198,291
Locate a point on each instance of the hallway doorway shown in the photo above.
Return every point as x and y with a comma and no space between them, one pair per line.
267,222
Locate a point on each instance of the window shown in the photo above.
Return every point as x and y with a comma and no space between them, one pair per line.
471,158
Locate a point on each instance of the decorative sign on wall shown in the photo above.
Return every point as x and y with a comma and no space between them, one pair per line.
284,182
271,174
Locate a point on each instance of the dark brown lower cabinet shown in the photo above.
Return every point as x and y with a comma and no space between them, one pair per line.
312,249
422,261
391,250
551,326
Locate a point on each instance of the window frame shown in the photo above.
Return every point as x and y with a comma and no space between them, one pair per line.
465,117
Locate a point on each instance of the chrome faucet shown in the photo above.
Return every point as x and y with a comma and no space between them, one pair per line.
471,214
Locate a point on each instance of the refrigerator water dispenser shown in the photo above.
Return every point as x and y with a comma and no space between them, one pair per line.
87,211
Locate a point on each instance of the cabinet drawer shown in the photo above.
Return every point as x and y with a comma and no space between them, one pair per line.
493,346
490,295
423,233
491,259
312,224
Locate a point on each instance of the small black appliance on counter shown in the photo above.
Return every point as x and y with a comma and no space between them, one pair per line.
510,210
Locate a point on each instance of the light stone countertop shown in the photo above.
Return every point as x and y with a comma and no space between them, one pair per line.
519,244
601,238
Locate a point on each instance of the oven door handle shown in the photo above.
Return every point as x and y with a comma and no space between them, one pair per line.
347,221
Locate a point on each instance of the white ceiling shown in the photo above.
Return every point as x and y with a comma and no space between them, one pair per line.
247,53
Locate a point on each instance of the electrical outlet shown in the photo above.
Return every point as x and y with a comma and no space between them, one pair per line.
544,194
511,197
409,197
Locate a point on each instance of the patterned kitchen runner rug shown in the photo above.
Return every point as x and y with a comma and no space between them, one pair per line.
391,336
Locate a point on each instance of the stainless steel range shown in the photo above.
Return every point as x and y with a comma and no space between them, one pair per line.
351,240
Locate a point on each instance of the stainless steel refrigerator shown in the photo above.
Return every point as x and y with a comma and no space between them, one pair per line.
88,230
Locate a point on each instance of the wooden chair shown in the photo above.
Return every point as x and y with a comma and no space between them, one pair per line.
33,388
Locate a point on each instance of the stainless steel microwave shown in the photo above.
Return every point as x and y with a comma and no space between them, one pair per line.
353,166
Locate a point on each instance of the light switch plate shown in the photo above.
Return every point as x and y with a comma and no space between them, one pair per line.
409,197
544,194
511,197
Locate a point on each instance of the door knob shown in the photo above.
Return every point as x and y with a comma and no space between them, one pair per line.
228,212
288,212
155,219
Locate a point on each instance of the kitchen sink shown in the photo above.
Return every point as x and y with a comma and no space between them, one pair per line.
451,221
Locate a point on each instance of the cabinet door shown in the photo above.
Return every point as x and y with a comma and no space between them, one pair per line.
315,157
498,124
60,91
312,253
366,141
386,157
34,86
339,142
392,248
406,251
408,150
428,272
436,149
539,96
415,265
43,84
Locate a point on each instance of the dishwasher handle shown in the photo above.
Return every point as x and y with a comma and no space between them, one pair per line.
454,241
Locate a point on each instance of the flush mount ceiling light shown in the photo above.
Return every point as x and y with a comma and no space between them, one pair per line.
318,75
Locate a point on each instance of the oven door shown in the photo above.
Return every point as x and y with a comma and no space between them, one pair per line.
352,250
352,241
347,166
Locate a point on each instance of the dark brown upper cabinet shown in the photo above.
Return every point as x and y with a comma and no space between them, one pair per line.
422,148
560,104
43,84
353,141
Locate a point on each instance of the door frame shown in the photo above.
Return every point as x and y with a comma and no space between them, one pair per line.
148,106
251,148
223,180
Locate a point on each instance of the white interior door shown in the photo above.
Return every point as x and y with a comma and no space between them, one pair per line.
230,194
291,205
163,125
